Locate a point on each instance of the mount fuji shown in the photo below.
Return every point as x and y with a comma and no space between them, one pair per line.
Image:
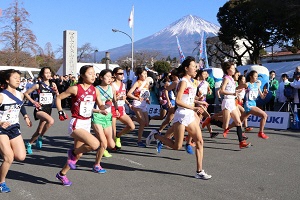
187,29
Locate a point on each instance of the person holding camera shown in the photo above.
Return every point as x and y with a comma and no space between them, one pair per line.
273,86
281,98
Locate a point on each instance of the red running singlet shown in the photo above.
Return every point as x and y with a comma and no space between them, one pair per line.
83,102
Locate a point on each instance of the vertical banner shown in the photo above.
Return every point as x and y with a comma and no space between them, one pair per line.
203,61
182,57
70,52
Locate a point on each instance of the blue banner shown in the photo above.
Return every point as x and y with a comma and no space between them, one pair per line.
202,51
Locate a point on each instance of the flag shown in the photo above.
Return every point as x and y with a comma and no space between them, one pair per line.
130,20
202,51
295,123
182,57
0,12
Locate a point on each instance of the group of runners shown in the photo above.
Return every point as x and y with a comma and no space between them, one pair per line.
99,106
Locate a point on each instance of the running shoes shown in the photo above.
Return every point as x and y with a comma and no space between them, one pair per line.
189,149
225,133
28,148
4,188
39,142
64,180
99,169
118,143
244,144
202,175
106,154
263,135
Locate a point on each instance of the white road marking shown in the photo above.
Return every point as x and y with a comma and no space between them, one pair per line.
132,162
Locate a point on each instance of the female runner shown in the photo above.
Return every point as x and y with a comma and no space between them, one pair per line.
43,107
140,94
229,109
184,118
83,96
252,92
11,142
120,89
102,119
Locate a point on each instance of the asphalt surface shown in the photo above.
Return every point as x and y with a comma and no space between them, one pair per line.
270,169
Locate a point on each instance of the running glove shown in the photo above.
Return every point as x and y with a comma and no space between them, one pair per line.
62,115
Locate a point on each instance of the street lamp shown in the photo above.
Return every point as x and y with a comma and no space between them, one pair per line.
95,52
116,30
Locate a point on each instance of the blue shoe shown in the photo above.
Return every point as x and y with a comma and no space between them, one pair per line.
28,148
99,169
189,149
39,142
4,188
159,146
141,144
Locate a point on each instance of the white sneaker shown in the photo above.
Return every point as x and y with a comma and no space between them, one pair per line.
203,175
150,137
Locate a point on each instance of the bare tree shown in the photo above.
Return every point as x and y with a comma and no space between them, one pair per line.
85,53
16,35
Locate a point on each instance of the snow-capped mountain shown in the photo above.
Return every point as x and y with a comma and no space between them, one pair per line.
187,29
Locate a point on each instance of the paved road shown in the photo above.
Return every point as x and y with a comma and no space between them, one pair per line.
270,169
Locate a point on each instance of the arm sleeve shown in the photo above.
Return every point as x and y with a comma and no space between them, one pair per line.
23,110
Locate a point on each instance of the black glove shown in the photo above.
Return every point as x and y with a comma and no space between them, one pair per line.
62,115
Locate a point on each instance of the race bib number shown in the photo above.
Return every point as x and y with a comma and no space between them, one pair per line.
86,106
121,102
46,98
121,95
253,94
203,91
192,94
11,116
145,94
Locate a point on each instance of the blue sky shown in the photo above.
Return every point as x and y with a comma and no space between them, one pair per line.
94,19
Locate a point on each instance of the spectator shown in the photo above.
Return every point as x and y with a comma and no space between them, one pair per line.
63,86
210,97
29,83
280,92
73,81
296,85
22,86
128,77
273,87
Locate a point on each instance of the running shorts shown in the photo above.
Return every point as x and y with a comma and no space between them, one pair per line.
184,116
75,123
103,120
229,104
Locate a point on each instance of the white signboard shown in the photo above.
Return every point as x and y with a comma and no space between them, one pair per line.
153,110
275,120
